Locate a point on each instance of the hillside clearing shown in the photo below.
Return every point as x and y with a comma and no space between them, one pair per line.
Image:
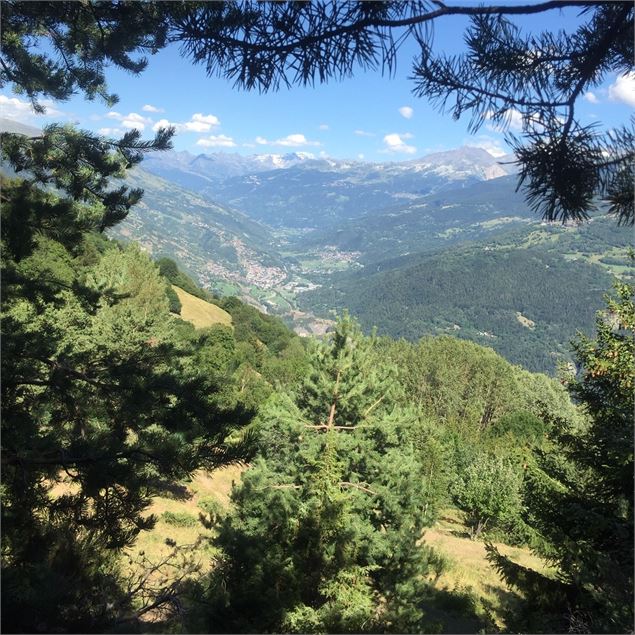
466,595
200,313
468,572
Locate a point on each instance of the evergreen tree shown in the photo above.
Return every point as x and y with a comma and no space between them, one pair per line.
580,492
328,520
100,401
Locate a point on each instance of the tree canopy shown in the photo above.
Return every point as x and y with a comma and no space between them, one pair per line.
579,492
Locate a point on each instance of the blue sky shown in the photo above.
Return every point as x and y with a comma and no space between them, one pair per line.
370,116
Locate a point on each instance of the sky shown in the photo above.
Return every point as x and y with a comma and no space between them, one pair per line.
370,117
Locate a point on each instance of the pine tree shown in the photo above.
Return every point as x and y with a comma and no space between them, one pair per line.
326,530
580,493
100,401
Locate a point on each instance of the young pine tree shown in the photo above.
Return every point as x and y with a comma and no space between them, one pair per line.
325,535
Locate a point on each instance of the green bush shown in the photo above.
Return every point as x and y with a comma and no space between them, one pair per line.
173,298
179,519
212,507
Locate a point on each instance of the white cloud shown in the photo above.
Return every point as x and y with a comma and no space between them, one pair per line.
623,89
395,143
132,120
151,108
363,133
162,123
492,145
295,140
197,123
406,111
360,156
201,123
193,126
591,97
216,141
19,110
111,132
323,126
513,121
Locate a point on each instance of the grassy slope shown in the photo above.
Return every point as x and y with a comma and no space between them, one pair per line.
467,594
468,573
200,313
185,499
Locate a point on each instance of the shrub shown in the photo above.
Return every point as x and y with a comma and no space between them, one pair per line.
179,519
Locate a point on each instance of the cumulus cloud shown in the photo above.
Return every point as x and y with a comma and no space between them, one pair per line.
216,141
111,132
406,112
395,143
198,123
131,120
323,126
513,121
363,133
492,145
591,97
623,89
151,108
19,110
295,140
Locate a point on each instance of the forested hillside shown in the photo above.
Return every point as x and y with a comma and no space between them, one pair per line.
525,293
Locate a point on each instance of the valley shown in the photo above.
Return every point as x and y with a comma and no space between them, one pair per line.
442,244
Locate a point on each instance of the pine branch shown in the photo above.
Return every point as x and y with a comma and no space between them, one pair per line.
359,487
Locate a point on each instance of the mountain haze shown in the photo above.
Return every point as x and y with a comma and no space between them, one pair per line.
301,191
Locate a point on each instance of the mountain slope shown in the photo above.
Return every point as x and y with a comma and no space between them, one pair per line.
199,312
437,220
209,240
524,294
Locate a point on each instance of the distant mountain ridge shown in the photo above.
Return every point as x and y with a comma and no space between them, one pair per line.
300,190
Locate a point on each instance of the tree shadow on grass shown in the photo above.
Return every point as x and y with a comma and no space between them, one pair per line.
457,611
172,489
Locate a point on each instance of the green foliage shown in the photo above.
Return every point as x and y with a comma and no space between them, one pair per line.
469,386
475,292
579,494
85,37
212,507
173,300
333,508
488,491
100,399
250,325
169,270
179,519
52,159
520,426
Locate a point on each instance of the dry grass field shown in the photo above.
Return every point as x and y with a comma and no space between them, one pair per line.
200,313
468,572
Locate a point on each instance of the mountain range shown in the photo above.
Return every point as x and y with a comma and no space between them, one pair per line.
300,191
